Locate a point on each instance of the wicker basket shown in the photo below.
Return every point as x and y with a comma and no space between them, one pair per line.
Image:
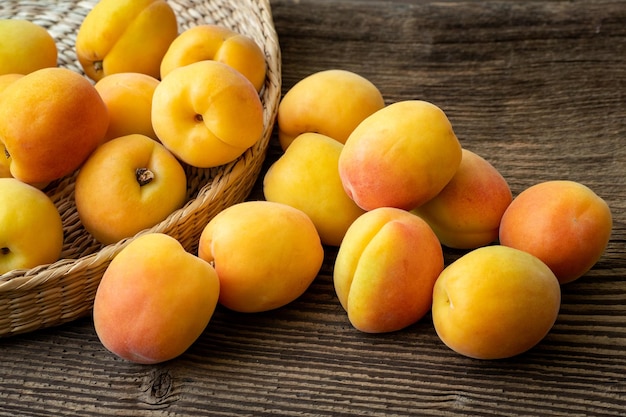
64,291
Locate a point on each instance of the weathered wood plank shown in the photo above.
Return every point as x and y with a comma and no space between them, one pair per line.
538,88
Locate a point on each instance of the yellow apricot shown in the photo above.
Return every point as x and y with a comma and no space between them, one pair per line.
207,113
266,254
306,177
125,36
32,230
331,102
25,47
495,302
128,184
214,42
128,97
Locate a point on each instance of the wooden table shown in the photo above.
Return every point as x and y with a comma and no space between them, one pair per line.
536,87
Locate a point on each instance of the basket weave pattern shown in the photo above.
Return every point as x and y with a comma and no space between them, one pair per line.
64,291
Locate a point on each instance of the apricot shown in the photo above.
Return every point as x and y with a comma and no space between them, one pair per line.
266,254
125,36
466,213
306,177
218,43
401,156
32,231
563,223
207,113
154,300
495,302
385,270
25,47
50,122
331,102
128,184
128,97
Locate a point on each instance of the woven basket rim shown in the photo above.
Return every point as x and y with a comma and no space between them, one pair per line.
33,299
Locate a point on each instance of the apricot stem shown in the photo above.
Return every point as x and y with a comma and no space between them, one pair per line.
5,251
199,118
6,153
97,66
144,176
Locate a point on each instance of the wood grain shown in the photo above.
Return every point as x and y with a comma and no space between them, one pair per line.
538,89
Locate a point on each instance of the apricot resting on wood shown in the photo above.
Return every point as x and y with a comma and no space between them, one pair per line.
401,156
563,223
466,213
331,102
386,268
495,302
306,177
266,254
154,300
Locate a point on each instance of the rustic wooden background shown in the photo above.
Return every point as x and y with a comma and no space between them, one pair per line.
536,87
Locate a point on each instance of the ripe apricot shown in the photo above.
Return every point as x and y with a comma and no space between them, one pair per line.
563,223
154,300
25,47
466,213
125,36
266,254
306,177
128,96
401,156
50,122
495,302
218,43
385,270
207,113
128,184
5,161
331,102
32,230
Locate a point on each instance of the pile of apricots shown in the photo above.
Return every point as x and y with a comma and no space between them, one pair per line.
388,185
391,185
149,102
